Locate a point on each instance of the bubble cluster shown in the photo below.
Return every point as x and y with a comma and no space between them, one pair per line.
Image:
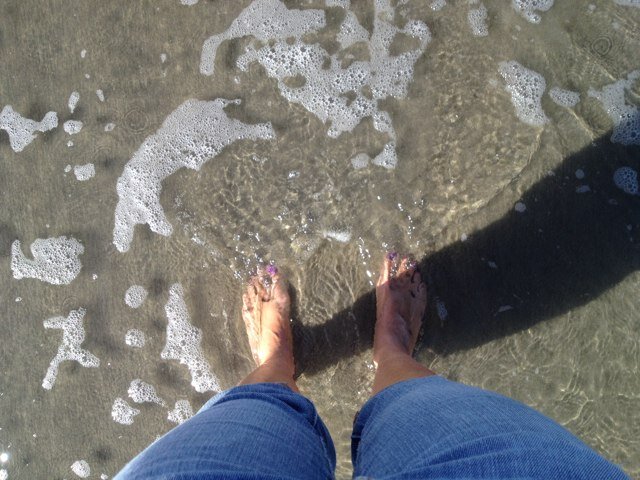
564,98
626,179
3,474
477,18
55,260
191,135
73,101
183,343
181,412
100,94
22,130
134,338
142,392
84,172
341,97
122,412
72,126
625,116
135,296
527,8
81,468
526,88
73,335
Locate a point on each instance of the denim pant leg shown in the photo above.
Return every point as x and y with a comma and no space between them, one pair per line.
434,428
248,432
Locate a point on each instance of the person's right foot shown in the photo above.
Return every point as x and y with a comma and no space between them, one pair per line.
401,299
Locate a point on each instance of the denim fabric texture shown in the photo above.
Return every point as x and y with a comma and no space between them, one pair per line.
423,428
257,431
438,429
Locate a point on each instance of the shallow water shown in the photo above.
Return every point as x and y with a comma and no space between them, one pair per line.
540,304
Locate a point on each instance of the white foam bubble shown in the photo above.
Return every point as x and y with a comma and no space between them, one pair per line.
564,98
437,5
134,338
183,343
22,130
163,57
625,115
69,350
81,468
4,457
122,412
477,18
526,88
3,474
191,135
188,2
84,172
351,31
72,126
181,412
55,260
142,392
135,296
73,101
340,235
109,127
104,476
100,95
361,160
264,20
626,179
83,53
327,85
528,8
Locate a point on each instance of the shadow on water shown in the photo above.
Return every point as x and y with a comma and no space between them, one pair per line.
566,249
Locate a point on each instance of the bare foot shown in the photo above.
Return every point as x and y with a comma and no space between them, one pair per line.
401,299
265,311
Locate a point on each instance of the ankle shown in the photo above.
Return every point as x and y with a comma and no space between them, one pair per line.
390,354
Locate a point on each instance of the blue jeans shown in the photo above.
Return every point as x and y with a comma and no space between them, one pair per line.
423,428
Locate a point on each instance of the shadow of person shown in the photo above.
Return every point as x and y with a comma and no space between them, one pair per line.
576,238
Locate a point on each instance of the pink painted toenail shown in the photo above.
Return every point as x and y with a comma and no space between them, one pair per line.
272,270
392,255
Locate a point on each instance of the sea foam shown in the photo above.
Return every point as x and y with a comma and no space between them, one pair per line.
55,260
69,350
142,392
183,343
181,412
81,468
625,116
526,88
341,97
22,130
122,412
192,134
528,8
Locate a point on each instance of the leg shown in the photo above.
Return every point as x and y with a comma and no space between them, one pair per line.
259,429
419,425
401,300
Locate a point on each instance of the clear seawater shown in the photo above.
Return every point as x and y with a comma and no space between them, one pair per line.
541,305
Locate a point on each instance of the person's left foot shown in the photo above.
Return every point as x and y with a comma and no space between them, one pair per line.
265,311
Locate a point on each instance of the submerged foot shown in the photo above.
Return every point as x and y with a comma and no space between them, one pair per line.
401,299
265,311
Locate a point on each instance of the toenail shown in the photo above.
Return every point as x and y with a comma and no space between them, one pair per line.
392,255
272,270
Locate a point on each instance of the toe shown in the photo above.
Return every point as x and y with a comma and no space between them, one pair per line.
388,266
